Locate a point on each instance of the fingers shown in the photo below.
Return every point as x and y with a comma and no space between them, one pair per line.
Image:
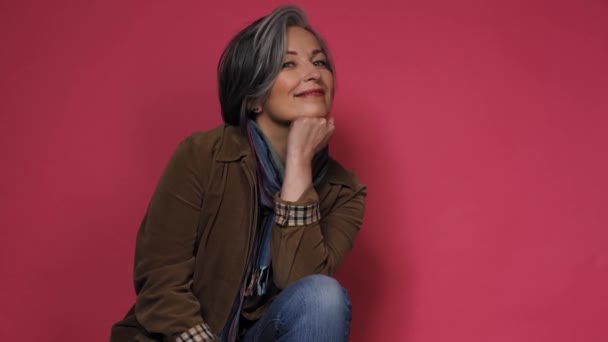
330,128
315,124
317,129
309,135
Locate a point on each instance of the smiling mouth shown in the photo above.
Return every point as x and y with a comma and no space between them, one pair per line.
312,93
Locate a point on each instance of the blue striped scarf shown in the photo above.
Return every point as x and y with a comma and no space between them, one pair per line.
270,174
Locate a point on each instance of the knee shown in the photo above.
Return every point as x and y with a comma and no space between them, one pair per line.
324,296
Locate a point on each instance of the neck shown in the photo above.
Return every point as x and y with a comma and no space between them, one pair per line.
275,132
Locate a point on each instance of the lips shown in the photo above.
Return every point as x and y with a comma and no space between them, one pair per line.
311,93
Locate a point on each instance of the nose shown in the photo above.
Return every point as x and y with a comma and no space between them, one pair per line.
311,73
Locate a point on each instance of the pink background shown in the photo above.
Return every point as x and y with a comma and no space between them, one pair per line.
480,128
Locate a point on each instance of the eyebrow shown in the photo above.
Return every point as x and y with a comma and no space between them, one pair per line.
314,52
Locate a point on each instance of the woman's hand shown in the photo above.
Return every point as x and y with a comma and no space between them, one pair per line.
306,137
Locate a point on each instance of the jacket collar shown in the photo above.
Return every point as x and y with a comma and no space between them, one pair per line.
234,145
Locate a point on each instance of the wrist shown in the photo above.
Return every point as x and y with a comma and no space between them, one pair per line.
299,158
297,180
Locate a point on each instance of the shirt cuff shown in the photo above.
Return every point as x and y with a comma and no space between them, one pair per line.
303,212
198,333
296,215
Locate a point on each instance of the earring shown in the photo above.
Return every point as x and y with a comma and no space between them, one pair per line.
257,110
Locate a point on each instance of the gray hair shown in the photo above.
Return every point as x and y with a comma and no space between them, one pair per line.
253,59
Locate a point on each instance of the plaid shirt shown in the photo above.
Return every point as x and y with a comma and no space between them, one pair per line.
198,333
286,215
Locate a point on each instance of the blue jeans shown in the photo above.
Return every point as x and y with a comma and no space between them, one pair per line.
315,308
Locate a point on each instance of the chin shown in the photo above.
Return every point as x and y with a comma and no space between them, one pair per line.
316,113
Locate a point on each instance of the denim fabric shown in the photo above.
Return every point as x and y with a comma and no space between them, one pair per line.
314,308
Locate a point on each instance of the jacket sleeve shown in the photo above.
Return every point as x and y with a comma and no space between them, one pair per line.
164,253
304,243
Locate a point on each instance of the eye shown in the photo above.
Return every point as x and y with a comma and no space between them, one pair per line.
321,63
288,65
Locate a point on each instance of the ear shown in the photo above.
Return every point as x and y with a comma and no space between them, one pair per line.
255,107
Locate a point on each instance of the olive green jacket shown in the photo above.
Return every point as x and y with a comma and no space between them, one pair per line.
193,242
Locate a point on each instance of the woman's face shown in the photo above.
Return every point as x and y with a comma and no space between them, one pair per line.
304,86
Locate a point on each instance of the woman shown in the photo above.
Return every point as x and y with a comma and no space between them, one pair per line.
249,221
